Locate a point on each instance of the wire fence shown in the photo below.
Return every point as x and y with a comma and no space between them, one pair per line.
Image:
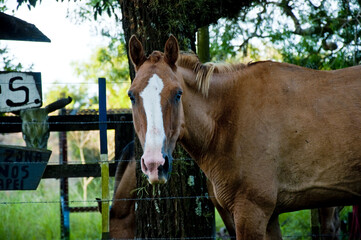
68,123
298,236
107,200
93,162
8,203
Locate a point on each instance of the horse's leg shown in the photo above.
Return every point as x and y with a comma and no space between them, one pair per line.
330,223
225,215
251,220
227,220
273,229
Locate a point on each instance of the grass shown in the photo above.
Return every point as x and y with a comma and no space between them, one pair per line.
296,225
33,220
30,220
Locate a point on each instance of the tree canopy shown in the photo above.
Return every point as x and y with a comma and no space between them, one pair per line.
318,34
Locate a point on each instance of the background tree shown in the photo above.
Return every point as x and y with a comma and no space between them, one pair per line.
7,62
152,22
320,35
111,63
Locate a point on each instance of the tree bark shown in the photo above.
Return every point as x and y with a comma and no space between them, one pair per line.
179,208
153,21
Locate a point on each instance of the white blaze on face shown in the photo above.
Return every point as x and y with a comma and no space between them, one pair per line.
155,134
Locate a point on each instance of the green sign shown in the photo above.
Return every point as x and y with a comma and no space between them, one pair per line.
21,168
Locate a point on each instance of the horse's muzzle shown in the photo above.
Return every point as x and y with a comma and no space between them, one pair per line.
156,168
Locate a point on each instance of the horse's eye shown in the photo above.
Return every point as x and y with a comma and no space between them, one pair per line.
178,96
131,97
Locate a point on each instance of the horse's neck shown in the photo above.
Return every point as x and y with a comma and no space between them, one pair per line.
200,114
199,127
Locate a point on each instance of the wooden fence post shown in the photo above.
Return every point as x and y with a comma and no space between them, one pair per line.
64,192
104,158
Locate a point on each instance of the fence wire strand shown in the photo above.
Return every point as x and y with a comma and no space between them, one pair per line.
91,162
107,200
68,123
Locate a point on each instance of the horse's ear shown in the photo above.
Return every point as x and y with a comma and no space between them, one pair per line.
136,52
171,51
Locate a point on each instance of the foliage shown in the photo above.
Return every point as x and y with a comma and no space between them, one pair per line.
199,13
109,62
98,6
3,7
321,36
8,63
296,224
221,39
112,63
79,92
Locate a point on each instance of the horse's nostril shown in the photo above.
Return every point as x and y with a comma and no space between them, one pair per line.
144,167
166,164
165,167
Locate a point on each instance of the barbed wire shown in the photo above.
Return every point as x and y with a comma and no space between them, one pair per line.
299,236
176,238
62,83
231,237
108,200
68,123
90,162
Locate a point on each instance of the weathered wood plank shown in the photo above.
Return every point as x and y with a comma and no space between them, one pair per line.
21,167
76,170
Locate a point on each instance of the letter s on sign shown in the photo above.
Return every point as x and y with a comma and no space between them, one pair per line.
22,88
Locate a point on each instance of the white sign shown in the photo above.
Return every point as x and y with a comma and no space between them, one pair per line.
19,90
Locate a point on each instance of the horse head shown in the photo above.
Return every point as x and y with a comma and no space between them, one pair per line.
157,107
35,126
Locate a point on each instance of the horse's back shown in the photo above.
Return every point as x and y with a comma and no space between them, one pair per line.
305,126
317,122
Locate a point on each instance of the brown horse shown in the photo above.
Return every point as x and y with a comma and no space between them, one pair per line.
122,215
271,137
122,211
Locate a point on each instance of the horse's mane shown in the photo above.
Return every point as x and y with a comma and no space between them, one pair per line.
204,71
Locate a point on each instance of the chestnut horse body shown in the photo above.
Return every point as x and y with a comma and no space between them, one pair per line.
122,211
271,137
122,215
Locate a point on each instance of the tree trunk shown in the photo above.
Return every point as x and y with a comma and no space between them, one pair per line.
153,21
178,209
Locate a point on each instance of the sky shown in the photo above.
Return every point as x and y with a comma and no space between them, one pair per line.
70,42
